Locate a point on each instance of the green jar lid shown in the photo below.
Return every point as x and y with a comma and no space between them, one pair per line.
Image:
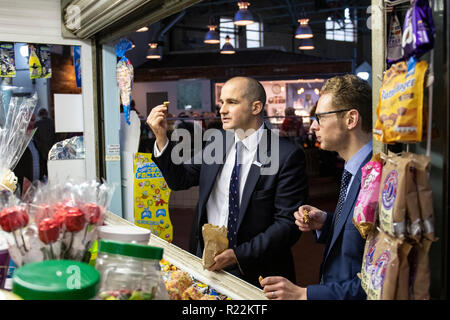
131,249
56,280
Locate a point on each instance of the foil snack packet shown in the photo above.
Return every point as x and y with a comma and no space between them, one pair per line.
364,213
418,30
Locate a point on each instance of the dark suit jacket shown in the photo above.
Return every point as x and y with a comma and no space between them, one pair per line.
266,229
343,253
24,167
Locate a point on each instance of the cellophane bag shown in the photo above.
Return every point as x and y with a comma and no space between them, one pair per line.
364,212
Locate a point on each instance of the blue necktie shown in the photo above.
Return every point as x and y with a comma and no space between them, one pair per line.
346,177
233,200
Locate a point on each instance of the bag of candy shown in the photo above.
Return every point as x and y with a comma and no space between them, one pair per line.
418,30
216,241
400,104
364,212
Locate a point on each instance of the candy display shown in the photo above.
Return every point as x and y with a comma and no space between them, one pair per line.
364,212
182,286
418,30
14,137
124,74
400,105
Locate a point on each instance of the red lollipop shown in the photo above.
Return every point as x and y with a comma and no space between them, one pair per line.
75,220
92,212
48,230
13,218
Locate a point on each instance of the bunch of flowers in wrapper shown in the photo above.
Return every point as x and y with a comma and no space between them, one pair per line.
14,137
61,220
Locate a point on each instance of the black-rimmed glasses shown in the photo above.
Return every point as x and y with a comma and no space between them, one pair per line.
317,116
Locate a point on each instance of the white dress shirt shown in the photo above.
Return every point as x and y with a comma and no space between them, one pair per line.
217,204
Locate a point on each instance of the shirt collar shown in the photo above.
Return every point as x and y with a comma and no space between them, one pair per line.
355,162
251,142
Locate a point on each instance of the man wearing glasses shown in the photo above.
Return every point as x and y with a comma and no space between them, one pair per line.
342,123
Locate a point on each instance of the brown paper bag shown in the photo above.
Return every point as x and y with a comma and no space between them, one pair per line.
414,219
403,272
420,262
381,268
392,201
216,241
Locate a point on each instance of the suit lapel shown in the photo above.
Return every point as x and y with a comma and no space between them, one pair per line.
348,205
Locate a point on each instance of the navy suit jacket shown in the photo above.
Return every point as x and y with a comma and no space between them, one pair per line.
266,229
343,253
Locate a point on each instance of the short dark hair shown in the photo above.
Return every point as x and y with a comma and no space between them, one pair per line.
42,113
349,91
256,91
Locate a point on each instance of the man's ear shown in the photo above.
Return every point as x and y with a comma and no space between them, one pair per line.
353,117
257,107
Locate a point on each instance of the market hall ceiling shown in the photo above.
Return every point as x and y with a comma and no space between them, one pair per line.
109,20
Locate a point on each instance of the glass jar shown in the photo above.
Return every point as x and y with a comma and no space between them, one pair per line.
130,271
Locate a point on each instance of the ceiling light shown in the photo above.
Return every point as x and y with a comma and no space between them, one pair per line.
152,52
306,44
304,30
227,47
212,36
143,29
243,17
300,91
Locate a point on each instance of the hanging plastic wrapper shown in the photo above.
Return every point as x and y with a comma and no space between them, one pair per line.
7,64
77,64
124,74
418,30
14,138
394,47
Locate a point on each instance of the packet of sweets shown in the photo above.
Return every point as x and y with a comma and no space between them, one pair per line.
418,30
383,271
367,264
216,241
400,104
364,213
392,202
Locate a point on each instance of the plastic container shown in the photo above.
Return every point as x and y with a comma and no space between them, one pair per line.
131,234
56,280
130,271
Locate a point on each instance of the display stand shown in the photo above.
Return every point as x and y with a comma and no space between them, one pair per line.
222,281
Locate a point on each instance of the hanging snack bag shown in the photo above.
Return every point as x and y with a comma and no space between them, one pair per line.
394,46
45,58
216,241
425,194
414,221
418,30
34,63
392,202
402,291
420,273
364,213
7,64
381,268
400,105
367,263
